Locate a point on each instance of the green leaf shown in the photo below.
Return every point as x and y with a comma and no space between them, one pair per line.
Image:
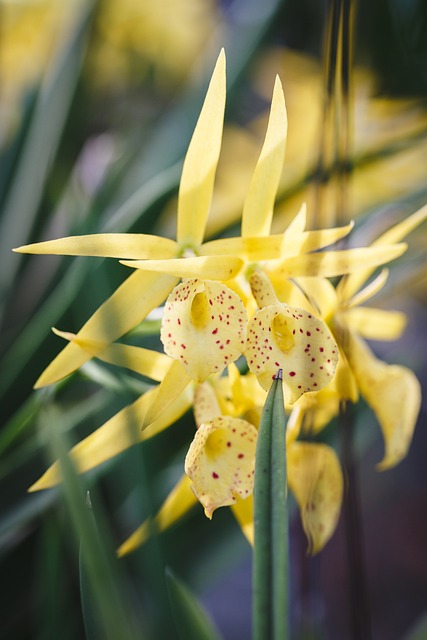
100,566
40,146
191,620
271,544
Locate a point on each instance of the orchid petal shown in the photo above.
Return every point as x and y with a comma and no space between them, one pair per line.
298,223
127,307
206,406
243,511
321,294
204,326
207,267
288,338
221,461
370,290
262,290
251,249
295,242
180,500
107,245
376,324
115,436
334,263
152,364
393,393
173,384
316,480
349,286
259,203
198,173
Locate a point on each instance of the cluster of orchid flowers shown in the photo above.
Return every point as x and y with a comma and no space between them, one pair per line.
261,300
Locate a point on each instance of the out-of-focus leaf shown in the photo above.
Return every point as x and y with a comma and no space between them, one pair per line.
192,622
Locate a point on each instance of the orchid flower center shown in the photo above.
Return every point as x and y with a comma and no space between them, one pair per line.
282,332
199,312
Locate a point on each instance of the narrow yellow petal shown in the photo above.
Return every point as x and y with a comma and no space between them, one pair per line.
170,388
108,245
177,504
288,338
296,240
297,224
208,267
321,294
251,249
393,393
243,511
130,303
369,291
221,461
206,406
204,327
334,263
198,173
316,480
376,324
116,435
151,364
399,231
259,203
349,286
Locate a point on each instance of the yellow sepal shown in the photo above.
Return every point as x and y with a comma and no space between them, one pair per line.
315,478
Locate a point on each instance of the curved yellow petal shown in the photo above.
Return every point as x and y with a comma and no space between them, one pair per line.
251,249
349,286
315,478
207,267
367,292
321,293
116,435
288,338
204,327
130,303
243,511
297,224
108,245
198,173
146,362
180,500
206,406
296,240
259,203
335,263
393,393
221,461
173,384
376,324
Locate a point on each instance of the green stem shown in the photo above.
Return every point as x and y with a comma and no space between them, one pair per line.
271,548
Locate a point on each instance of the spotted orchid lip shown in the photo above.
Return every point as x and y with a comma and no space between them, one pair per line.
288,338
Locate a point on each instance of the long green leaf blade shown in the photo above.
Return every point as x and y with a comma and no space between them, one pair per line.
192,622
270,563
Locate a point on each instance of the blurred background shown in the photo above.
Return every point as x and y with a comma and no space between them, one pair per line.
98,101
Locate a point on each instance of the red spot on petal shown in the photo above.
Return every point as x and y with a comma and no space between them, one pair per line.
215,331
215,476
292,373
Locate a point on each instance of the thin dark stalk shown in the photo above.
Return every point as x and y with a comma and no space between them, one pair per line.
327,130
359,600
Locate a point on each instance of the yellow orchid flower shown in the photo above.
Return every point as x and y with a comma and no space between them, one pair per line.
220,472
392,391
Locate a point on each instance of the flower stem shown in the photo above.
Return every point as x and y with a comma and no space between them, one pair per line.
359,601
